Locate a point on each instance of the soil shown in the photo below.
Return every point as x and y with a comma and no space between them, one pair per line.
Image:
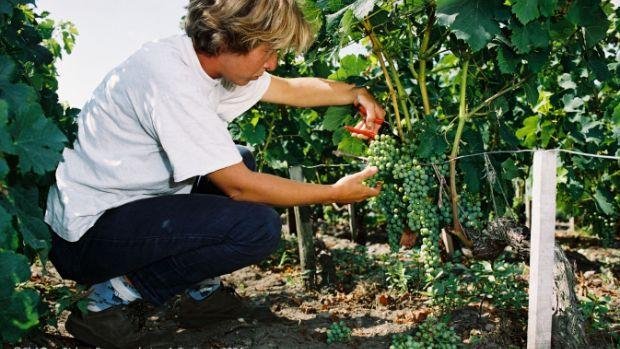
359,298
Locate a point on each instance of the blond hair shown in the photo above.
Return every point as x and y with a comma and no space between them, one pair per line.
238,26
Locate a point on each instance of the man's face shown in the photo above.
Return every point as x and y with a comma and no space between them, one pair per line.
241,69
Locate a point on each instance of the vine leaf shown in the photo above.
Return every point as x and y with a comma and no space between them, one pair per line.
604,200
589,15
532,35
526,10
335,117
15,269
19,314
352,145
470,20
37,140
254,134
7,68
361,8
507,60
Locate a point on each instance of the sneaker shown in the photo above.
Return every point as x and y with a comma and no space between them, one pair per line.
122,326
223,304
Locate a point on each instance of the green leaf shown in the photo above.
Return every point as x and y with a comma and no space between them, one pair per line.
352,145
334,117
4,168
529,130
312,14
18,315
566,82
4,112
37,140
5,138
361,8
547,7
572,104
253,135
470,20
525,10
590,15
339,135
599,67
537,60
604,200
350,66
35,234
533,35
507,60
329,5
347,24
509,170
7,68
15,269
5,8
433,144
18,95
531,92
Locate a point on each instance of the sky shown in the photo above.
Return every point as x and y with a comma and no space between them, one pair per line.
110,31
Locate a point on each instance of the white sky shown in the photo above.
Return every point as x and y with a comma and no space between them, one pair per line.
110,31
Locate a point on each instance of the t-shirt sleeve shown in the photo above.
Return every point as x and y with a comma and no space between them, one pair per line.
195,140
242,98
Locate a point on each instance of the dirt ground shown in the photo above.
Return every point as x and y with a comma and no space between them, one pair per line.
359,298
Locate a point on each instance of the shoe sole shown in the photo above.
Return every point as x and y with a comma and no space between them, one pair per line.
83,334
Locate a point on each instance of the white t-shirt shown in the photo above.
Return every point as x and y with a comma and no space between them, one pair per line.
153,124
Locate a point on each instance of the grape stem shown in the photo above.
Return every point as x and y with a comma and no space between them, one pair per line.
377,49
422,57
463,116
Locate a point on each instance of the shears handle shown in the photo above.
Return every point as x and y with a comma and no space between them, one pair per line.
368,133
362,111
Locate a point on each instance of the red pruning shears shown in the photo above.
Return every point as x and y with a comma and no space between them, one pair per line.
368,133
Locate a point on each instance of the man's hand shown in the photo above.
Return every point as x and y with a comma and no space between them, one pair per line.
374,110
352,189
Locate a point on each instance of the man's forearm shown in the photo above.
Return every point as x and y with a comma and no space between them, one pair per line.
310,92
277,191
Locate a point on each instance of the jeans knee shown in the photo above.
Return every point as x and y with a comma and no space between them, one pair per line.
271,225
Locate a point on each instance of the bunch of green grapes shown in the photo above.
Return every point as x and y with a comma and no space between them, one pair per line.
604,227
470,211
430,254
419,188
384,154
430,334
338,333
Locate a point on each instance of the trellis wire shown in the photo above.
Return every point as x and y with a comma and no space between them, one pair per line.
517,151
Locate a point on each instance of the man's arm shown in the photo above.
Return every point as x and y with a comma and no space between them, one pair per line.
316,92
310,92
239,183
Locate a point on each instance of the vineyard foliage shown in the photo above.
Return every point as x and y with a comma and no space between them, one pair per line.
463,77
34,128
456,77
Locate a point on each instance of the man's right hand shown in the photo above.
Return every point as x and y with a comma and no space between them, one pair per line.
351,188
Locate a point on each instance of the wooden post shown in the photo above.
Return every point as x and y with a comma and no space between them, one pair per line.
353,221
291,225
305,237
541,252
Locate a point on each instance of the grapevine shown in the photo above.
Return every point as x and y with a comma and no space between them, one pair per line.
338,333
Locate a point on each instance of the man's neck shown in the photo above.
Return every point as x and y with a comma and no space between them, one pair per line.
210,64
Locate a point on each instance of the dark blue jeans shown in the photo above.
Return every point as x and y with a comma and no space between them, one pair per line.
169,243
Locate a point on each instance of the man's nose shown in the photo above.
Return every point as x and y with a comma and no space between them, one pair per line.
272,62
